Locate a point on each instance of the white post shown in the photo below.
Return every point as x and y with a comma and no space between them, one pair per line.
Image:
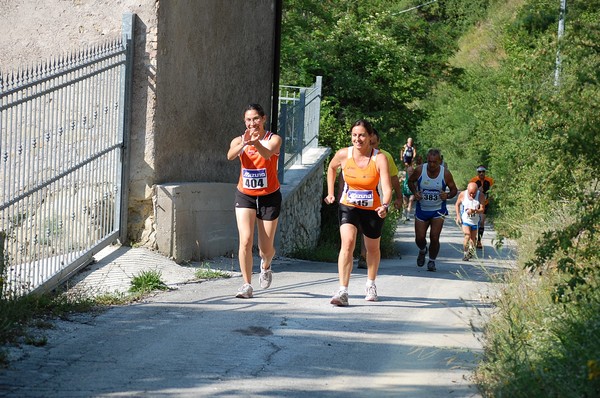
561,31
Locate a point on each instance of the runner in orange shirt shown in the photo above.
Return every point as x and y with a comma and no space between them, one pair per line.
258,198
361,205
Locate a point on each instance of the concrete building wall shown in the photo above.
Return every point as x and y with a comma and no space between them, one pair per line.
196,220
213,60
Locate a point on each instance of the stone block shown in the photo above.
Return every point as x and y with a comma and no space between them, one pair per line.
195,220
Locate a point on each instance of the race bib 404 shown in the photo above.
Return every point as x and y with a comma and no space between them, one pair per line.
255,179
360,198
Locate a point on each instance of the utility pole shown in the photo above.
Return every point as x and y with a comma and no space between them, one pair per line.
561,31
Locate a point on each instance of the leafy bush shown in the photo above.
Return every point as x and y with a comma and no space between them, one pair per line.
540,141
535,346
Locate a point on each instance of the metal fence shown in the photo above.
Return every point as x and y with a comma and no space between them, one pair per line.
63,158
299,115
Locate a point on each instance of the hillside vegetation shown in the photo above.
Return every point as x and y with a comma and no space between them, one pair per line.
480,80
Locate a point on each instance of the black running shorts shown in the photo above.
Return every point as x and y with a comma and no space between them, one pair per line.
267,207
368,220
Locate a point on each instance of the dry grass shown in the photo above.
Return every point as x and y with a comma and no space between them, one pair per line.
481,46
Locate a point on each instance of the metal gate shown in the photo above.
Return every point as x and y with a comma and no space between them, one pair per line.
299,118
63,163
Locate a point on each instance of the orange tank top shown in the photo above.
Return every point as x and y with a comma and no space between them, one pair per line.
258,176
360,185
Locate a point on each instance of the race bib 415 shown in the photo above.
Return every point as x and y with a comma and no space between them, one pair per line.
360,198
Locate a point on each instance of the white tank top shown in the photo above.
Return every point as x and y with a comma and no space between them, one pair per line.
466,204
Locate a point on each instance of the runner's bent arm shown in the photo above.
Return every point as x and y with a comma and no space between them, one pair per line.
386,185
235,148
396,185
457,207
334,165
412,182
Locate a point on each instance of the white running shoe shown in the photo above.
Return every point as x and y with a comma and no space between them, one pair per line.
371,293
266,276
431,266
340,299
245,291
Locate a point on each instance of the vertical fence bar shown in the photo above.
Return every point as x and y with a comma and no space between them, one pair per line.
128,30
282,133
301,122
3,274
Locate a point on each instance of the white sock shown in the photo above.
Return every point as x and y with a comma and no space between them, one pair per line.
343,289
370,282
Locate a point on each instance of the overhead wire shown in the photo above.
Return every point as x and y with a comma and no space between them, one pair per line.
414,8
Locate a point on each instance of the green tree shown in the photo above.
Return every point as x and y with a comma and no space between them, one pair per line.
376,60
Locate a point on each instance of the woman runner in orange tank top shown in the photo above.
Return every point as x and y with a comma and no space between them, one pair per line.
361,204
258,198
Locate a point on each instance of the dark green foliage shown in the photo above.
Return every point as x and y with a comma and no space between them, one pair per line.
574,250
536,18
502,101
375,59
539,138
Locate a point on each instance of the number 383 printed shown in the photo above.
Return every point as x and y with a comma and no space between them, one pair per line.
429,196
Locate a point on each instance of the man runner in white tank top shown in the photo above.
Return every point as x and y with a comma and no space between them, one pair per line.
428,183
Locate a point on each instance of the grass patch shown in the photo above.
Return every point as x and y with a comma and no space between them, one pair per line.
22,318
205,272
147,281
482,46
536,347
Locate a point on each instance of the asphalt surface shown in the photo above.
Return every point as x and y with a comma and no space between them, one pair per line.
422,339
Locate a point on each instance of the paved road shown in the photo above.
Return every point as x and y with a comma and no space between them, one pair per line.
288,341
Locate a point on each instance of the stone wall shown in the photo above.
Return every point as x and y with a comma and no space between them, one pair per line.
300,219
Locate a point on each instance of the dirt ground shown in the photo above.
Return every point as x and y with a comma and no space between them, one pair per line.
33,31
